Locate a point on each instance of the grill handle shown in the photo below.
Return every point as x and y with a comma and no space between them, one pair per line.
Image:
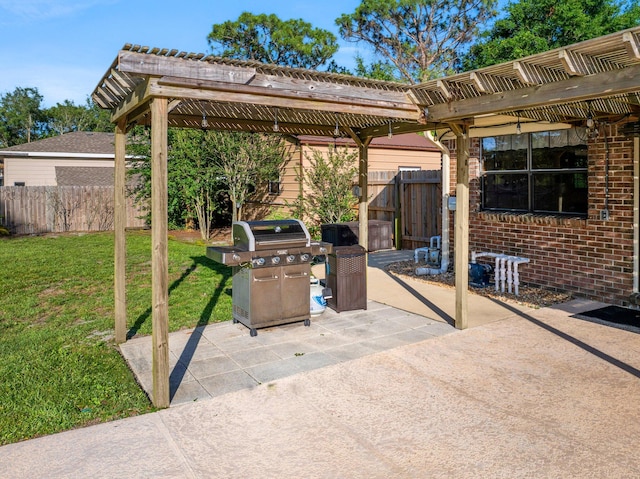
264,280
299,275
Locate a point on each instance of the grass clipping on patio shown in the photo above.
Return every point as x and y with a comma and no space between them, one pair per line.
531,296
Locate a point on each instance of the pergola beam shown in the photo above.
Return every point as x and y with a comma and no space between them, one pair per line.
133,101
172,87
157,65
573,89
575,64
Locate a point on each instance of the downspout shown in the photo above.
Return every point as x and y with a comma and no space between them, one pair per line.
446,178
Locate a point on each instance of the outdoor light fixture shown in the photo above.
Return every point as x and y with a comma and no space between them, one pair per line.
590,121
276,127
390,134
336,132
518,126
205,122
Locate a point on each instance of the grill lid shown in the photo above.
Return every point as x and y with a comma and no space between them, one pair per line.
270,234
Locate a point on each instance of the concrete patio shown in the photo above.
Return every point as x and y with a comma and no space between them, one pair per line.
381,393
221,358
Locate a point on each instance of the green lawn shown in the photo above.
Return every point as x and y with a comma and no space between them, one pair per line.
59,366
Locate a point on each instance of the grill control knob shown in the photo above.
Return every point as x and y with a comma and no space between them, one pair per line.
304,257
275,259
291,258
258,261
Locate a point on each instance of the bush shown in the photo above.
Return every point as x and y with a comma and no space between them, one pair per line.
327,184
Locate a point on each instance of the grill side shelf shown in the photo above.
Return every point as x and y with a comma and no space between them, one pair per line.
228,255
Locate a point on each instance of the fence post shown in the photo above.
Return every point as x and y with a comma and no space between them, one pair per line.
398,214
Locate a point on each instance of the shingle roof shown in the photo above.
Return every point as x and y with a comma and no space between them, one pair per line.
84,176
74,142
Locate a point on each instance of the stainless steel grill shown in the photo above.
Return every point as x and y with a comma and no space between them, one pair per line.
271,263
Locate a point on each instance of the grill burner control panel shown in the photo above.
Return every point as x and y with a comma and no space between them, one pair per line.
281,258
264,244
232,256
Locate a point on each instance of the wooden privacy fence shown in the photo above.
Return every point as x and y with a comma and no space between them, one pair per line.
56,209
412,200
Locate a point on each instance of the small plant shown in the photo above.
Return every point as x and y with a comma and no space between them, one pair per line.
327,184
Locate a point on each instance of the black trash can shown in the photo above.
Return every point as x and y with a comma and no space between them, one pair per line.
348,234
346,275
340,234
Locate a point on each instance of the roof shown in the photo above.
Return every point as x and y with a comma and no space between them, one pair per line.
84,176
407,141
78,142
598,78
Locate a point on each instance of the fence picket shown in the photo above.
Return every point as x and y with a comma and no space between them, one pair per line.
55,209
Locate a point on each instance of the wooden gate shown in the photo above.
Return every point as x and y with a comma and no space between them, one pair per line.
412,200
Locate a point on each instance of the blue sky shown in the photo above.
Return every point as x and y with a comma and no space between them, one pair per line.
63,47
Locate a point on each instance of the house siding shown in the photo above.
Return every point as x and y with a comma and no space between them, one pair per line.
380,159
34,171
589,257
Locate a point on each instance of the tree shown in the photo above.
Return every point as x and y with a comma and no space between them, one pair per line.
206,170
246,160
195,173
64,117
67,116
420,38
377,70
268,39
21,119
328,182
534,26
193,186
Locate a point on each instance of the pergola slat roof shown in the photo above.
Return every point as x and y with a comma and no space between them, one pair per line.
245,95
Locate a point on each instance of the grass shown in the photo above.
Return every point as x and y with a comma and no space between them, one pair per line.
59,366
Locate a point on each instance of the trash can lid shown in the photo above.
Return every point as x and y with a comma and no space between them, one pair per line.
349,250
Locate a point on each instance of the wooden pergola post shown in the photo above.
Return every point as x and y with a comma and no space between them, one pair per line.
120,247
363,183
159,253
461,239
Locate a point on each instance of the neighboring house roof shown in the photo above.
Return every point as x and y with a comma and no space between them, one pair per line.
77,143
407,141
84,176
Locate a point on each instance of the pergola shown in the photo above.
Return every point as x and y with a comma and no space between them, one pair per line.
598,79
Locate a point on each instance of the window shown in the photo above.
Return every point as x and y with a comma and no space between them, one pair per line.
274,187
18,183
544,172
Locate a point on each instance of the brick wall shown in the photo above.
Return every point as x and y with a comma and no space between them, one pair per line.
592,258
